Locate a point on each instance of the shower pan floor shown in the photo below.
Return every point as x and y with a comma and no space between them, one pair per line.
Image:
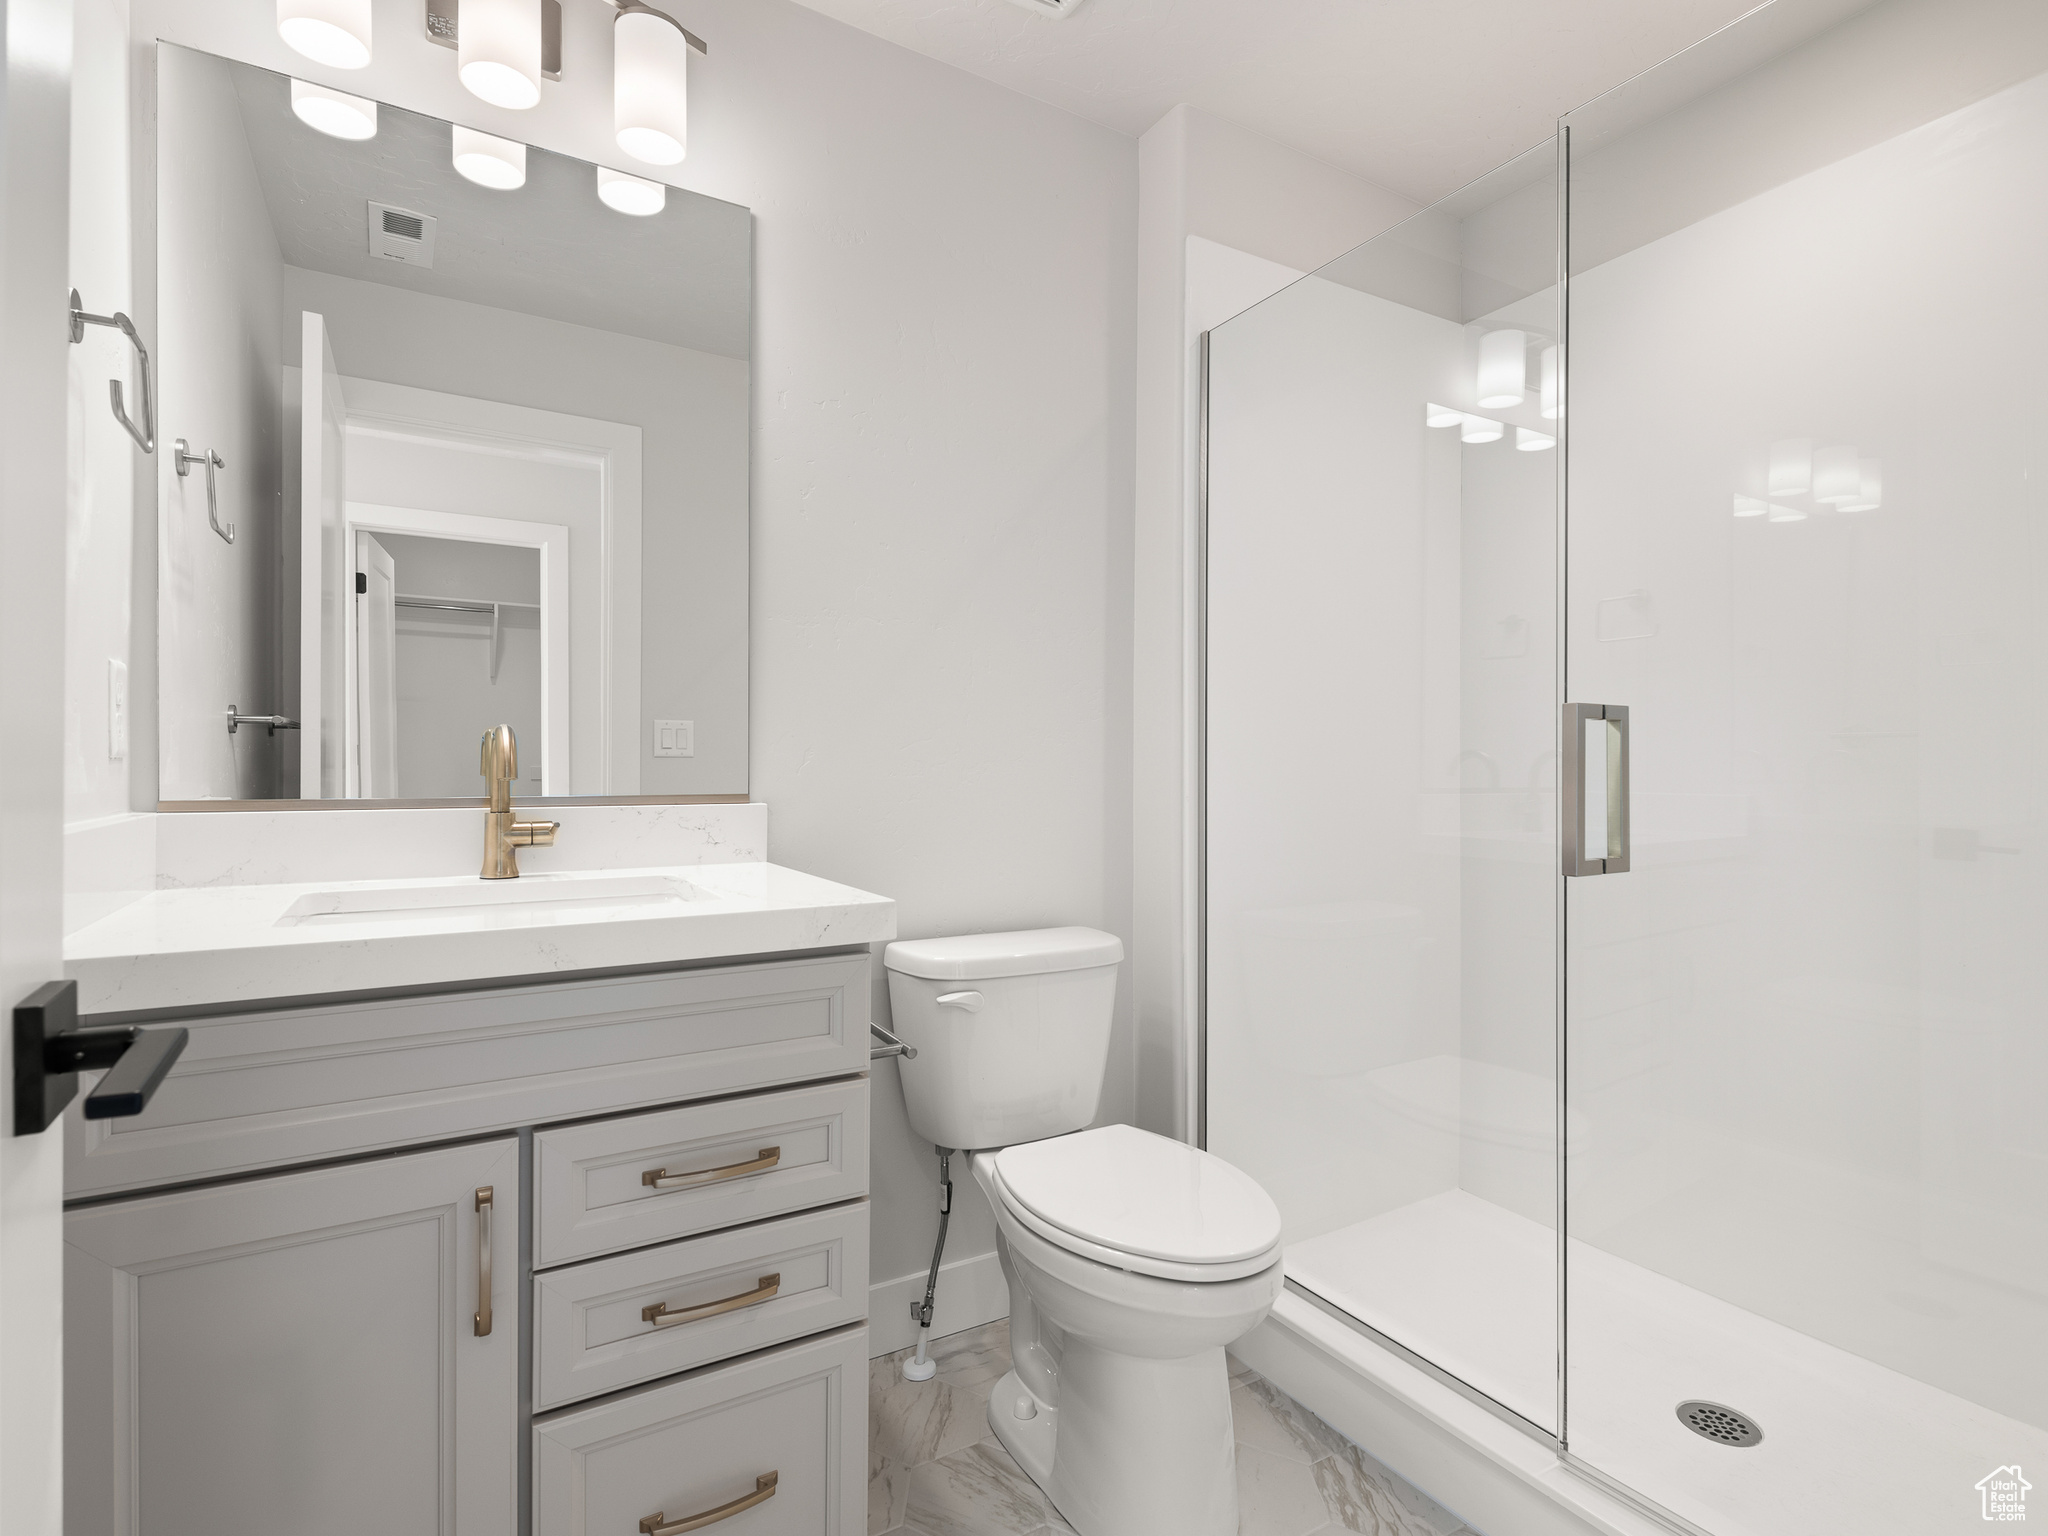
1848,1444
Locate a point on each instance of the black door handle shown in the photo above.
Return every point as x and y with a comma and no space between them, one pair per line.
50,1050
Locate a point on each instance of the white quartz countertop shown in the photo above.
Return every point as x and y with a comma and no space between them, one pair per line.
238,943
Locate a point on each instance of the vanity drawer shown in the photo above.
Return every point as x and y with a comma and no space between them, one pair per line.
778,1280
728,1161
266,1089
794,1419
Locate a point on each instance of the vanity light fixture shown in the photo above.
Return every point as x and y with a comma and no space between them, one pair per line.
651,83
630,194
334,113
1503,368
1435,415
505,48
331,32
1553,406
1480,429
1750,506
488,160
1780,513
1528,440
497,50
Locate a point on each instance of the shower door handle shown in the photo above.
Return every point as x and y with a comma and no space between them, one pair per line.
1595,829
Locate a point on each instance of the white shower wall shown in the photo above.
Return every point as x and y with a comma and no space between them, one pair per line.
1381,772
1334,936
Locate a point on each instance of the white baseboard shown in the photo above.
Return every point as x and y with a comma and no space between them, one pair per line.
971,1292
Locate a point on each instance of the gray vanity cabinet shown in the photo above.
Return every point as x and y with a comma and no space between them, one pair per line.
298,1353
273,1276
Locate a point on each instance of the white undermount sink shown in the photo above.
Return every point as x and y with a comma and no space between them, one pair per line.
540,898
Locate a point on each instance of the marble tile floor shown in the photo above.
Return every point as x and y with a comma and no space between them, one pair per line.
936,1469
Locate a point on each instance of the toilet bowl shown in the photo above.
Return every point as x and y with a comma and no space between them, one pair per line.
1132,1260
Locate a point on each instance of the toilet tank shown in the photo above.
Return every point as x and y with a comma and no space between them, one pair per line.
1011,1032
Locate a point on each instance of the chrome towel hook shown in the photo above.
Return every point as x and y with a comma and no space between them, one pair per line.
145,435
186,459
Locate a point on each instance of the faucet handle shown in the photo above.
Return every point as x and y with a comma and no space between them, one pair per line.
500,759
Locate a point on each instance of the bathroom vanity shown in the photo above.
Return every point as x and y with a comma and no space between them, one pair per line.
576,1253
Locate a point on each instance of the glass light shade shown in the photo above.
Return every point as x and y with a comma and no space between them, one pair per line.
331,32
490,161
1791,466
1528,440
1784,514
1750,506
1435,415
1869,488
630,194
1547,374
1836,476
335,113
651,87
1480,429
497,51
1503,368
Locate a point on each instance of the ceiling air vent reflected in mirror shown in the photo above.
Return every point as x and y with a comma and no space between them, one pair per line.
399,234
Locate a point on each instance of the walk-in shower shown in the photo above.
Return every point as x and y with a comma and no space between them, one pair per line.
1689,476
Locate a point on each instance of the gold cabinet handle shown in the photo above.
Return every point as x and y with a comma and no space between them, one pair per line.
764,1290
485,1203
764,1490
761,1162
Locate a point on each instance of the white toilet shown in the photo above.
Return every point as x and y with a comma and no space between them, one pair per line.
1132,1260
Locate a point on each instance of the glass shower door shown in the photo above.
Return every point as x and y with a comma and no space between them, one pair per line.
1381,956
1807,1257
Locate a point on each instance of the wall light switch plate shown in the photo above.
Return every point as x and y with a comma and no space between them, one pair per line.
675,738
117,708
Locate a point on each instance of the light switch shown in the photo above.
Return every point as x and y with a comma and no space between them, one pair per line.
675,738
117,708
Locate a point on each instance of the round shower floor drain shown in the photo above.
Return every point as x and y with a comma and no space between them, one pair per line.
1719,1423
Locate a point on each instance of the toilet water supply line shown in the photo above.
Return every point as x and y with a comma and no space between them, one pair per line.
919,1367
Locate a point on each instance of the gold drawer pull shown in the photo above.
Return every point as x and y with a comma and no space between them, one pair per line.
764,1490
764,1290
486,1201
762,1161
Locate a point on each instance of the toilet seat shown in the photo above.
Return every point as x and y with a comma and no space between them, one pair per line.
1139,1202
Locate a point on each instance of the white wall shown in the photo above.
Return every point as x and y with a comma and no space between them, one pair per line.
103,462
691,409
1201,179
218,372
941,468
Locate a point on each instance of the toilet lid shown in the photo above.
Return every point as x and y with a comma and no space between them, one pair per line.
1142,1194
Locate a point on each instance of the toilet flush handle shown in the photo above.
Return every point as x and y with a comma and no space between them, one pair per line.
969,1001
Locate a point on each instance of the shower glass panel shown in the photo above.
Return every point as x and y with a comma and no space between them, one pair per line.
1807,1061
1381,780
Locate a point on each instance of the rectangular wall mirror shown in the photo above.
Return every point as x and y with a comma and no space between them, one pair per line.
453,432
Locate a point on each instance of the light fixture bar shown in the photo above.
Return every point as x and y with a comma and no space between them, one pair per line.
444,27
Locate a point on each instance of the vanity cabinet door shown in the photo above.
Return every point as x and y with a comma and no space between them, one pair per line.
298,1353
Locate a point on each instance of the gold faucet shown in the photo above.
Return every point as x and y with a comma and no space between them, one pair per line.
504,837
